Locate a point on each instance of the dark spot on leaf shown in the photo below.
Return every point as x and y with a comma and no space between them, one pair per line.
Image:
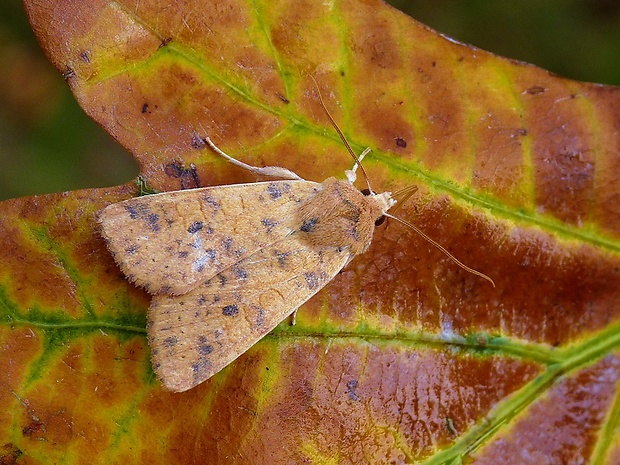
85,57
195,227
309,225
68,73
282,97
188,176
165,42
198,141
351,387
145,107
400,142
230,310
534,90
31,428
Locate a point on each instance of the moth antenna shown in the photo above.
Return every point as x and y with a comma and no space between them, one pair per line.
442,248
358,161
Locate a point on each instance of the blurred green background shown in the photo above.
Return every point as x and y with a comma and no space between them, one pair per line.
47,144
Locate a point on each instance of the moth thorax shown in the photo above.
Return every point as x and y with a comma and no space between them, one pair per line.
339,215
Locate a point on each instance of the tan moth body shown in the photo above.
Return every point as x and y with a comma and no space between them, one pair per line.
226,264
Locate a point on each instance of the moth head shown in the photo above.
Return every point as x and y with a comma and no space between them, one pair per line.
384,202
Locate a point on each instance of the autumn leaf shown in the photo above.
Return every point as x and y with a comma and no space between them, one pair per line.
403,357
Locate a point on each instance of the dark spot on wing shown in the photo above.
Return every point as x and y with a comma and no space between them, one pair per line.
269,224
195,227
241,273
198,367
260,316
309,225
223,279
227,243
153,221
205,349
209,200
171,341
274,191
312,279
239,253
282,258
202,300
183,254
134,212
132,249
230,310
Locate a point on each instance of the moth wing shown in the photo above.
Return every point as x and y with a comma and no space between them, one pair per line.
194,336
169,242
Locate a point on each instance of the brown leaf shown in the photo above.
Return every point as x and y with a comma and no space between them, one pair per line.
404,357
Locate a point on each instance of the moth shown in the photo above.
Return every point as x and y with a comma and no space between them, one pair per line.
226,264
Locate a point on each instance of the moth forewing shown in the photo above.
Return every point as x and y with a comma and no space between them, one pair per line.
172,241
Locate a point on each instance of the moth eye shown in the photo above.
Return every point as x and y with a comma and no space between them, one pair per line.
380,221
365,192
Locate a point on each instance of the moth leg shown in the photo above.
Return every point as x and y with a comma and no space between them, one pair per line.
274,171
351,175
293,318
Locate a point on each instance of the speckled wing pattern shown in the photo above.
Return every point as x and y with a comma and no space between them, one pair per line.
170,242
193,336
